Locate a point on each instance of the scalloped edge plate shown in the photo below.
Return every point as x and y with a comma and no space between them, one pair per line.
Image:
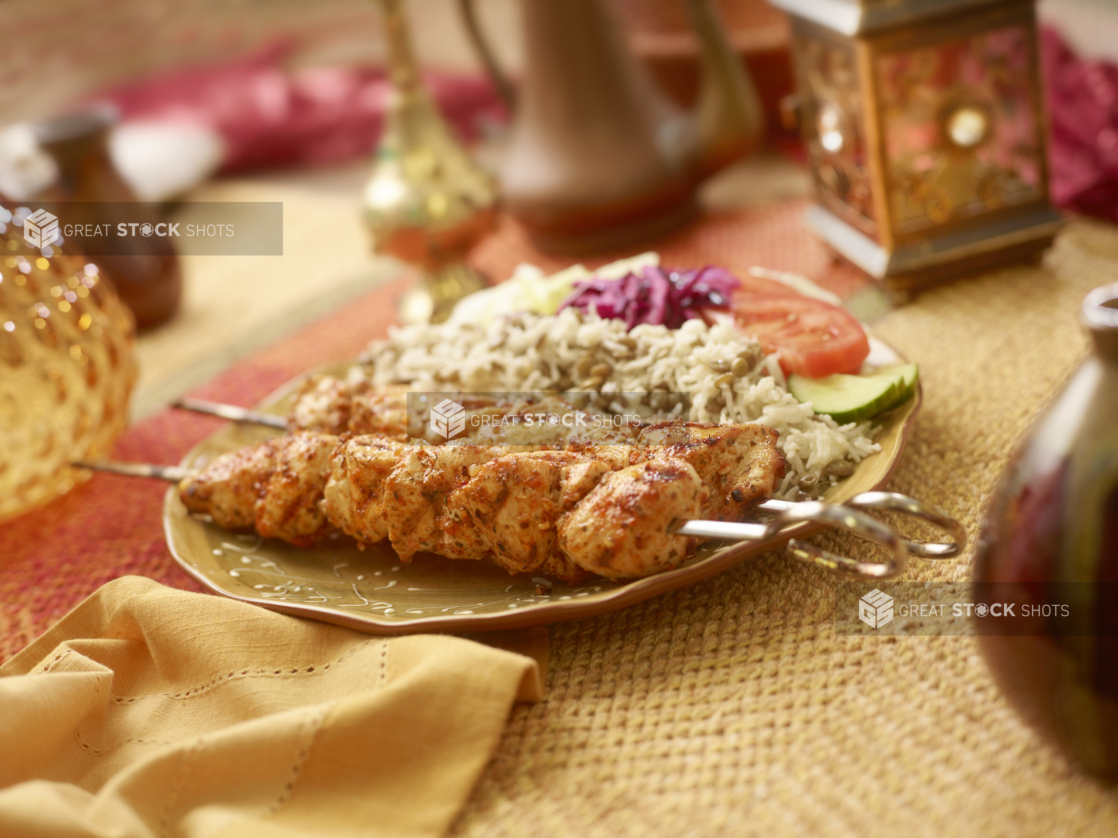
372,591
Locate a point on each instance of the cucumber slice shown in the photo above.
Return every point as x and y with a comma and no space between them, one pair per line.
909,373
852,398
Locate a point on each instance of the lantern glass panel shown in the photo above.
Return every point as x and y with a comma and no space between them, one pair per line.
960,128
836,133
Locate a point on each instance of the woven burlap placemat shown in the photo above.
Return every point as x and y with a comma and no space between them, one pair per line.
733,708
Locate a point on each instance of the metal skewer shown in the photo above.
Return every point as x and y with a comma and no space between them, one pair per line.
172,474
231,412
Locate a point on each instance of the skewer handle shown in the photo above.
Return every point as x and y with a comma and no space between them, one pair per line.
832,515
232,412
895,502
172,474
853,521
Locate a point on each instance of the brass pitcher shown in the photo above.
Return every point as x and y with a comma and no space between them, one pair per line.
599,157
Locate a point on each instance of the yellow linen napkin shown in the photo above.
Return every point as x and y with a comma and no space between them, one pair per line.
149,712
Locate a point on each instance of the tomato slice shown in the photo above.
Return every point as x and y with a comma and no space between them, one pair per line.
813,338
750,285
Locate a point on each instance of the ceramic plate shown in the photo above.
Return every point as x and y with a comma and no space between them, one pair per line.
371,590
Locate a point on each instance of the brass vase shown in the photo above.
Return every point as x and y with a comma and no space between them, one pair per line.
66,371
427,202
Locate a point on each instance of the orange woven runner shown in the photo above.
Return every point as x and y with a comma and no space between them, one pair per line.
772,237
112,526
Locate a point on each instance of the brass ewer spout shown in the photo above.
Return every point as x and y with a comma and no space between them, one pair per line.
427,202
729,120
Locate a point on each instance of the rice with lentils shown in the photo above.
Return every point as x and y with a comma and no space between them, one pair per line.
728,378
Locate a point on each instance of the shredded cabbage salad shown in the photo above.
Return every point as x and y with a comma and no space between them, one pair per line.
654,294
530,289
636,290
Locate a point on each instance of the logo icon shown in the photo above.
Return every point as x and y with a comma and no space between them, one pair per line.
146,230
875,609
448,419
40,229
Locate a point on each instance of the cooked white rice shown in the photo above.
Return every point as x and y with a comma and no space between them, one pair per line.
532,352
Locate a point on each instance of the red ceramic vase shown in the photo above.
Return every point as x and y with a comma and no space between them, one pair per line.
1050,548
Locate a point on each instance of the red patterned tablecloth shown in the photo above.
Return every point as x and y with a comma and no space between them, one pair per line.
52,558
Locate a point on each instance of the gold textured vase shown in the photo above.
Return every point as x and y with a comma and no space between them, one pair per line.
427,202
66,371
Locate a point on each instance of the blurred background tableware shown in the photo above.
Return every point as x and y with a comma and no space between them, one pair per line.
159,160
148,278
599,156
925,128
660,35
66,370
1050,546
427,201
162,160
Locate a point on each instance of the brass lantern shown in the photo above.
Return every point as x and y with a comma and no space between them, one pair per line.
926,132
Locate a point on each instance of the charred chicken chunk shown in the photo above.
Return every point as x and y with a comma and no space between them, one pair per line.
415,494
511,506
623,527
740,464
354,490
274,487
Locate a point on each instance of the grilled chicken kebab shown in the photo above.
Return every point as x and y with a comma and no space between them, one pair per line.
604,506
333,406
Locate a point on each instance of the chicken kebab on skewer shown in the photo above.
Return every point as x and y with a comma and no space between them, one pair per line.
347,407
335,406
607,507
